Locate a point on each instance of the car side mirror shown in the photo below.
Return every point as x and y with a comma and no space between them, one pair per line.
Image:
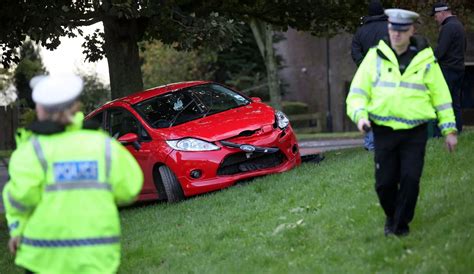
130,138
256,99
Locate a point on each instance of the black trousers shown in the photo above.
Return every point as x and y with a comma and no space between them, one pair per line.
454,79
399,159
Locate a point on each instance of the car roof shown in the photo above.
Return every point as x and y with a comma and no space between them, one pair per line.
152,92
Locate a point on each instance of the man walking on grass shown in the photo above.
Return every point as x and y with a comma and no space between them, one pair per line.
373,29
450,54
396,91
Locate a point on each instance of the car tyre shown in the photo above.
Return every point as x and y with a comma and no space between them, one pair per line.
174,192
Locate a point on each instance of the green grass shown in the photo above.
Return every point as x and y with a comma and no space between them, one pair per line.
314,219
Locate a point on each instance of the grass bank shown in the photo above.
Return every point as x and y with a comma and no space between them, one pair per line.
314,219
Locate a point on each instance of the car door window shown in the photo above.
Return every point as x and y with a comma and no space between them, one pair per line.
99,119
122,122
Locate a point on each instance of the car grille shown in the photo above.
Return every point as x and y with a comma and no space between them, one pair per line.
240,163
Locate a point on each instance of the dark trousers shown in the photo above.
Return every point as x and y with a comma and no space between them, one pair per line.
454,80
399,159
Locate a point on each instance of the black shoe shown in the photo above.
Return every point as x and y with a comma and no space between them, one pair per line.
388,228
402,232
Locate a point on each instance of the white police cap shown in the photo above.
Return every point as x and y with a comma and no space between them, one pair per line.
56,92
400,19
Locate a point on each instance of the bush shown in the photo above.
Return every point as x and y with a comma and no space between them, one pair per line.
95,93
27,116
163,64
294,107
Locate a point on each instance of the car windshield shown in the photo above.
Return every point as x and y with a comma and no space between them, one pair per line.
189,104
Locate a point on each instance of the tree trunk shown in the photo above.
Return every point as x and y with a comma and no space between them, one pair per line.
9,121
263,33
121,49
272,69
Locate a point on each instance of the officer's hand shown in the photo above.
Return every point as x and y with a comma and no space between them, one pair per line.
363,122
451,141
13,244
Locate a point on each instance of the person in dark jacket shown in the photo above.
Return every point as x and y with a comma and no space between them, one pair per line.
450,54
373,29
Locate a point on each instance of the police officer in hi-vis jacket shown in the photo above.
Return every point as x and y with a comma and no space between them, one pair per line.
66,179
397,90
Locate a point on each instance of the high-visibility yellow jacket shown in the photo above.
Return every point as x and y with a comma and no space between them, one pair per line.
379,91
61,200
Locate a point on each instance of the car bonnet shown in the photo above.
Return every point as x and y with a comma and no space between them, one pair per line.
224,125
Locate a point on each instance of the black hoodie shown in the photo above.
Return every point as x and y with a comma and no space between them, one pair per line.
368,35
451,44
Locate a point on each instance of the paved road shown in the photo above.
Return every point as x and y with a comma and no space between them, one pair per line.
306,148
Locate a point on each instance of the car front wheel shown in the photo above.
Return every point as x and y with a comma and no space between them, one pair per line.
173,190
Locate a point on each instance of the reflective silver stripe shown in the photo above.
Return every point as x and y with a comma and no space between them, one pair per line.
378,65
444,106
413,86
359,91
78,185
385,84
39,154
15,203
70,242
402,84
107,158
356,112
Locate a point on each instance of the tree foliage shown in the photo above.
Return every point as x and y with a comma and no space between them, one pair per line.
162,64
95,92
29,66
168,21
5,79
182,23
241,65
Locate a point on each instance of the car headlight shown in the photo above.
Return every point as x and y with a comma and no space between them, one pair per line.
281,119
191,144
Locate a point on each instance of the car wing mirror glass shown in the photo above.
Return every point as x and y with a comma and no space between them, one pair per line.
130,138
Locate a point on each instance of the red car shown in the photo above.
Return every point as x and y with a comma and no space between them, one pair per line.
195,137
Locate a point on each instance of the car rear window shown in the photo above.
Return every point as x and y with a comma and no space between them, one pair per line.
177,107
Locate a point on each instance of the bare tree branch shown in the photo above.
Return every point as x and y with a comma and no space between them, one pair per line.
89,22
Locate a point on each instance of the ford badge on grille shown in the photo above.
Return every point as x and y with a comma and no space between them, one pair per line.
247,148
